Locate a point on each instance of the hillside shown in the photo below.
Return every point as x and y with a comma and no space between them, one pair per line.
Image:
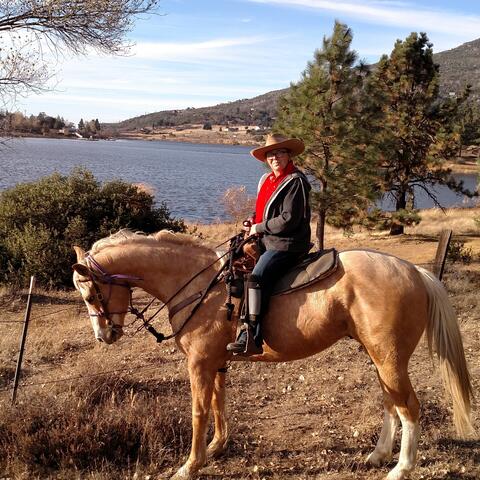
458,67
253,111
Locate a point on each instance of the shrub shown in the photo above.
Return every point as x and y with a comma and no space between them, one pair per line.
238,204
108,424
40,221
458,252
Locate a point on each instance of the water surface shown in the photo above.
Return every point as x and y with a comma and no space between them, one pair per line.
190,178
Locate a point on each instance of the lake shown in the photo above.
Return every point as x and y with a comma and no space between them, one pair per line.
190,178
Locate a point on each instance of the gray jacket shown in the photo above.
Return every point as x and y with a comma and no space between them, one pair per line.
286,218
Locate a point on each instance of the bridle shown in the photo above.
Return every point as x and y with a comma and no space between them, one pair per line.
99,275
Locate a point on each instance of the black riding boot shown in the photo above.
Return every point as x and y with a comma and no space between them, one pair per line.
249,340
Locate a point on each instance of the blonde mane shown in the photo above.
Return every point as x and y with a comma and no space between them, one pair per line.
126,236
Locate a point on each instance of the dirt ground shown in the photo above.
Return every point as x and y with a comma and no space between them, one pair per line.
316,418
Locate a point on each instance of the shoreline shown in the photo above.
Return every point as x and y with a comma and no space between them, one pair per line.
464,165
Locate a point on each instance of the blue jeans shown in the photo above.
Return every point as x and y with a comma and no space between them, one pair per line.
271,265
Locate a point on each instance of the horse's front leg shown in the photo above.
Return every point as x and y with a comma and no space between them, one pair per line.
202,378
220,438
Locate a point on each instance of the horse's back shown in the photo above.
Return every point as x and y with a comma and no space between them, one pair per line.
371,297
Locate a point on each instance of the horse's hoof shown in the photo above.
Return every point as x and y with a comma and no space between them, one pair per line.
183,474
216,448
398,473
378,458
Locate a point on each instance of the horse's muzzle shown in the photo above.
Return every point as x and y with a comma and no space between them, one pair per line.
111,335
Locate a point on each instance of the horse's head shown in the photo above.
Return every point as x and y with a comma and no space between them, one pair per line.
107,297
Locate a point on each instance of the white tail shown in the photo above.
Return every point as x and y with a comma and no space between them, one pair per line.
444,338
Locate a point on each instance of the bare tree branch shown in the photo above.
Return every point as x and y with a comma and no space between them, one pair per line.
78,24
26,26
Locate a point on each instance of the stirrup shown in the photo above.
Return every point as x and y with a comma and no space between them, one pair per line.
249,347
240,344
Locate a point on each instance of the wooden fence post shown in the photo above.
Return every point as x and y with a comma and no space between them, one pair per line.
441,255
22,341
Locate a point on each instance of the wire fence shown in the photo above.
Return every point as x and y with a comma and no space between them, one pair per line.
36,317
83,377
72,308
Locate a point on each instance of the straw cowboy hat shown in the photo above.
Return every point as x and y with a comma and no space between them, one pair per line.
274,142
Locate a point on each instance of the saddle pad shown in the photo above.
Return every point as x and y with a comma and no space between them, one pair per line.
314,267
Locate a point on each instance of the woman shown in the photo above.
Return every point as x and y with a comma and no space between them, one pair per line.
282,220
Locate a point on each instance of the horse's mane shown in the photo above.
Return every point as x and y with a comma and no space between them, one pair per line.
127,237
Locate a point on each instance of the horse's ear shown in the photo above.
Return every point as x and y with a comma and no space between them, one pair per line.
82,269
80,253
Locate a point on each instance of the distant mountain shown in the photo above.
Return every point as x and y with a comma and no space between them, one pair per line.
458,67
253,111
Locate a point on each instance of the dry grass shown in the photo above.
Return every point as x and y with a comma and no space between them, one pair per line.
460,220
110,424
98,412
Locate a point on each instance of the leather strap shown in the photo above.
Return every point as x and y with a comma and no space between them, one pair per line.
184,303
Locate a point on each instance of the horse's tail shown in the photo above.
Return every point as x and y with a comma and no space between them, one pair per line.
443,337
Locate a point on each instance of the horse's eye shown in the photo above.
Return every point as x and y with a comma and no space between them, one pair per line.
90,299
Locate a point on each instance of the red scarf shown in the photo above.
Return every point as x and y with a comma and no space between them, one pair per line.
266,190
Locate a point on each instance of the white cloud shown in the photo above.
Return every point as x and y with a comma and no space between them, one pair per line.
399,14
192,51
130,76
150,88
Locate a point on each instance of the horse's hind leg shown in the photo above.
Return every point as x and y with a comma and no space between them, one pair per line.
220,437
397,385
409,443
383,449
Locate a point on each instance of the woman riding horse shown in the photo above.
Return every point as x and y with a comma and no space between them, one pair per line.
282,220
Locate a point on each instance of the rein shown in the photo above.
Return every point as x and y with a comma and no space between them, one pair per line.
236,243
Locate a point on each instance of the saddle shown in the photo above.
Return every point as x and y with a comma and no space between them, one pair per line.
311,268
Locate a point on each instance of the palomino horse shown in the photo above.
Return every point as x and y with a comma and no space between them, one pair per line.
383,302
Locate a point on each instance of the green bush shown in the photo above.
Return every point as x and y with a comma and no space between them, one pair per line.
40,221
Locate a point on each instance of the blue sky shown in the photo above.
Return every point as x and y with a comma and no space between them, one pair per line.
203,52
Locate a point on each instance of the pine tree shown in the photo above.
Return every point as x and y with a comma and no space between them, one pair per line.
90,127
81,125
470,124
59,123
324,109
420,130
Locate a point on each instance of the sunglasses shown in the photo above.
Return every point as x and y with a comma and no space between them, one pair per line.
276,153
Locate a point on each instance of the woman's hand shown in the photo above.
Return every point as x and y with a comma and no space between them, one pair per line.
250,229
247,224
253,230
